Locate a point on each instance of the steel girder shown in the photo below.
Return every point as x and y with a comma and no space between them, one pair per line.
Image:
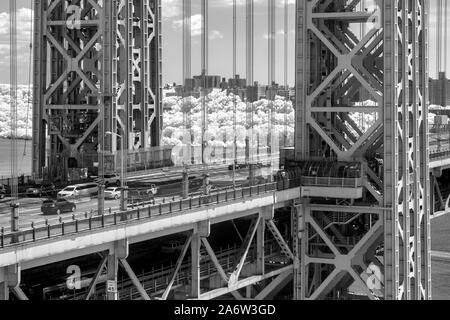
89,54
406,151
246,270
348,54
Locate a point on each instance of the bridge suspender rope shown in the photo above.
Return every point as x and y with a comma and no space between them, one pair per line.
13,97
445,12
30,62
286,56
234,89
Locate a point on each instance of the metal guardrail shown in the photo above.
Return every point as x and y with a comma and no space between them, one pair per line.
90,223
440,155
332,182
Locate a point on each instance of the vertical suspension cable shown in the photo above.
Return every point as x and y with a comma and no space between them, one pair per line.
439,36
234,38
271,45
186,40
187,74
205,33
286,86
250,68
13,110
234,89
362,93
204,66
271,73
445,37
249,40
30,61
444,31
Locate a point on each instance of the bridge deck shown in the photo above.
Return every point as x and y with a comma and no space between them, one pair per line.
49,244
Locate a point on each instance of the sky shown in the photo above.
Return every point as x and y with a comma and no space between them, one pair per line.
220,40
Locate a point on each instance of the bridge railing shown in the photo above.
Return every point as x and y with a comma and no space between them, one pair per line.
332,182
92,222
439,155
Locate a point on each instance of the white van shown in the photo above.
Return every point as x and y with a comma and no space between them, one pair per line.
79,191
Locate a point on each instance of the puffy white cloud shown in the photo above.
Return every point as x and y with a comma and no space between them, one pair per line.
24,112
221,118
214,34
171,8
24,23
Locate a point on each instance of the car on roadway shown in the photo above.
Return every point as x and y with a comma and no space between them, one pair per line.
240,166
110,179
3,191
85,190
142,195
51,207
153,189
40,190
113,193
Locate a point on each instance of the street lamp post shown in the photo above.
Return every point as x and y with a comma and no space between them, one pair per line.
123,190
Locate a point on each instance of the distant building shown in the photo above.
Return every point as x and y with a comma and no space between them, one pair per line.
237,84
440,90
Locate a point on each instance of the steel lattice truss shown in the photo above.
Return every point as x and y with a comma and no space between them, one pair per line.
90,53
136,73
361,91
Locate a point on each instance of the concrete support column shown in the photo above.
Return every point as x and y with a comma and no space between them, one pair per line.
4,291
201,230
113,265
120,251
251,174
124,199
249,292
185,184
260,247
101,199
195,253
15,217
15,221
9,279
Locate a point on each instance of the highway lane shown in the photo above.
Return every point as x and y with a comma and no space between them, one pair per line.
30,211
34,214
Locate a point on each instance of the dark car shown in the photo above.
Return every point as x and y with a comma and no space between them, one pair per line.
3,191
141,195
238,166
57,206
40,190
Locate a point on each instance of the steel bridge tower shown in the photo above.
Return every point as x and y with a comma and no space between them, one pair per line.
362,98
97,68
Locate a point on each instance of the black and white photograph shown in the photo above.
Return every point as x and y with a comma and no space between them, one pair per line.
224,158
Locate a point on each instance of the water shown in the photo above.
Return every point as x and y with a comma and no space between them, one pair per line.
24,162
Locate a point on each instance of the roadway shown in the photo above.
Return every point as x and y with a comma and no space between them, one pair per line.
30,208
